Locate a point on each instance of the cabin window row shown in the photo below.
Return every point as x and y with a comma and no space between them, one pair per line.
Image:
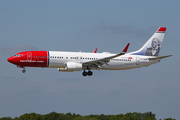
84,58
121,59
40,57
75,58
46,57
90,58
56,57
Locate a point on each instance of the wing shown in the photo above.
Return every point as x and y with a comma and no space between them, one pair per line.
158,58
99,62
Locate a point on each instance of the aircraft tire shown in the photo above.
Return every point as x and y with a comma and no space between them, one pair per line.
90,73
23,71
84,73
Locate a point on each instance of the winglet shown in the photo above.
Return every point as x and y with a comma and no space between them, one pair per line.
95,50
126,48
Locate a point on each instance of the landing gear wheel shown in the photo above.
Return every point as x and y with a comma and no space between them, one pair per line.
23,71
90,73
84,73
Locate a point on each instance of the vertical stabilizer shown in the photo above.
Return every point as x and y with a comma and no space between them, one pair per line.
153,45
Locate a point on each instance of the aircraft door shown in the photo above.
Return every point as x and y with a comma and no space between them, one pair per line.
29,56
137,60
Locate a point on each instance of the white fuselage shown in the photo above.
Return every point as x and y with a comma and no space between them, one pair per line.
58,59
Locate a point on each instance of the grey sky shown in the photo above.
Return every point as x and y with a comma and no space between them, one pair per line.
82,26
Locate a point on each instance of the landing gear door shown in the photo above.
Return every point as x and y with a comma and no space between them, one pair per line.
137,60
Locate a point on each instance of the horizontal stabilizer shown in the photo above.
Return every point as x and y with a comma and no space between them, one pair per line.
157,58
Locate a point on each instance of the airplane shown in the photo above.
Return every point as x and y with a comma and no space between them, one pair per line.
84,61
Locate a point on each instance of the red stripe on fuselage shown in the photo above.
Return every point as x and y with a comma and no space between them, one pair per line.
30,59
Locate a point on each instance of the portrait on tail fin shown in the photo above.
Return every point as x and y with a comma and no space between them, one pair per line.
155,48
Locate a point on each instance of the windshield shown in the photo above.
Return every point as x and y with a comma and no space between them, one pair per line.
17,55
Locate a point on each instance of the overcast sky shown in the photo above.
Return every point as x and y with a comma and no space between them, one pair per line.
83,26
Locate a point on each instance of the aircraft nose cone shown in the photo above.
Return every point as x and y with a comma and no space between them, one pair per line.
10,59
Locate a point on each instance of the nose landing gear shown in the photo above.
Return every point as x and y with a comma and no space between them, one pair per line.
23,71
89,73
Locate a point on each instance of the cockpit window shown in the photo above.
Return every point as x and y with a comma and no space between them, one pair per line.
17,55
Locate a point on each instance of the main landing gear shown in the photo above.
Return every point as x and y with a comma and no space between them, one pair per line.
89,73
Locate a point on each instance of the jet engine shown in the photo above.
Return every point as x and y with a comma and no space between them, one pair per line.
71,66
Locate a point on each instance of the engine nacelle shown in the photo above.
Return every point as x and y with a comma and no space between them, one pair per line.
71,66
